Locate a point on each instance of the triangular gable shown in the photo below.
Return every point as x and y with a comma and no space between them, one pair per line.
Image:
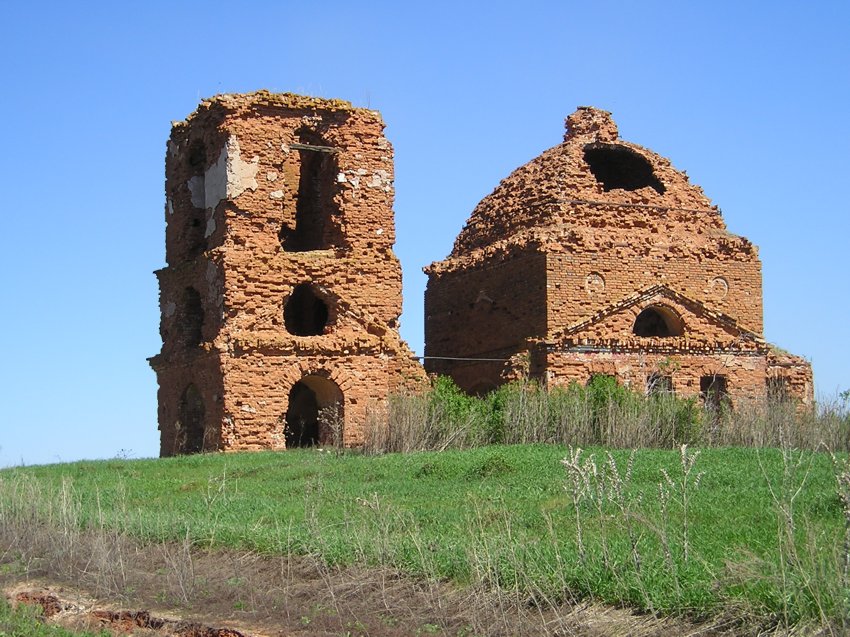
698,312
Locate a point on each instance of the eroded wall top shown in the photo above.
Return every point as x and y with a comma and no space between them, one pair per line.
593,180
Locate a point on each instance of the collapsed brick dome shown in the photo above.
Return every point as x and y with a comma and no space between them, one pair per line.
592,179
599,258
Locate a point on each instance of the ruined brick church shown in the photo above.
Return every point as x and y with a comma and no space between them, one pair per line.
281,295
598,257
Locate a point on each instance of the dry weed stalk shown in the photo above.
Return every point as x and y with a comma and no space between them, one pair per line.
842,476
605,487
681,491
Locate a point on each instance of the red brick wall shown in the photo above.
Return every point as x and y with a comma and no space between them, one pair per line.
226,214
581,285
484,312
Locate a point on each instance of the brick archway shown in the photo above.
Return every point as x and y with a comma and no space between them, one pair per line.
315,414
658,321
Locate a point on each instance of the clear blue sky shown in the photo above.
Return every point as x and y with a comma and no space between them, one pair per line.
752,99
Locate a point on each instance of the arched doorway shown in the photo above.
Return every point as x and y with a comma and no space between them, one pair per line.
315,413
190,425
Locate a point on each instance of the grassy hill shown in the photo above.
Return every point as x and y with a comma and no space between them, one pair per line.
759,533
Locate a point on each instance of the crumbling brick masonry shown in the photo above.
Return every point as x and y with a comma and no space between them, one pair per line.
598,257
281,295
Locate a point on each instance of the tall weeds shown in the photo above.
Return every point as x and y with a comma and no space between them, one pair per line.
600,414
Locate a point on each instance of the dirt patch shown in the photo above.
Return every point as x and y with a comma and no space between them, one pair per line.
232,594
102,578
75,611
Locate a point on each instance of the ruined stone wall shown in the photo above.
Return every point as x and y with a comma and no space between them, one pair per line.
279,217
745,374
796,373
257,390
699,327
202,370
505,298
508,297
581,285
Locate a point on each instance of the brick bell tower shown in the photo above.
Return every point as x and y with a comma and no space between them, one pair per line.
281,295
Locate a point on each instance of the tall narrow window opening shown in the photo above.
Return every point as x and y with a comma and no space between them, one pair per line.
196,242
714,392
192,319
305,314
314,206
190,427
314,416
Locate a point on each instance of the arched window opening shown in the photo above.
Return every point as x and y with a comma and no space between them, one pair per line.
197,157
315,413
314,205
658,321
192,319
617,166
196,242
190,426
305,314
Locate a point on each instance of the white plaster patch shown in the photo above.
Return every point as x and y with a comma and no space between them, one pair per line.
277,194
378,179
248,409
354,181
230,175
169,205
379,231
340,178
272,175
196,187
215,178
169,309
285,148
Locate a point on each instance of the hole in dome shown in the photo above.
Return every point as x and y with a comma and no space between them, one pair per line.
617,166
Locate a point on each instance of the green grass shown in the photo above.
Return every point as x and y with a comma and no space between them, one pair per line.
26,621
497,515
